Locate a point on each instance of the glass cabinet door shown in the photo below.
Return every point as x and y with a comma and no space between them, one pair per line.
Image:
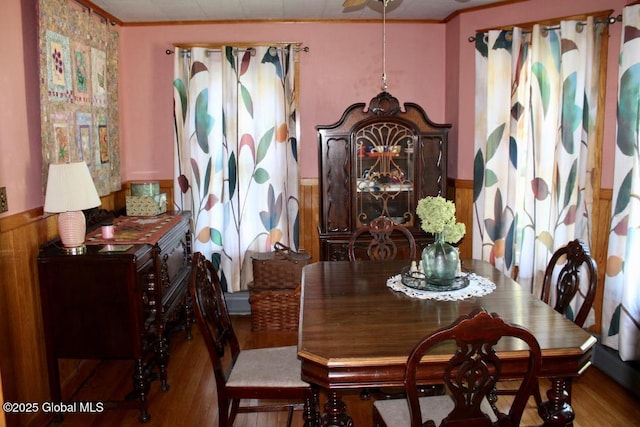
384,173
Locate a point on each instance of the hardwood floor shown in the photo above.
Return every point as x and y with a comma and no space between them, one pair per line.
191,400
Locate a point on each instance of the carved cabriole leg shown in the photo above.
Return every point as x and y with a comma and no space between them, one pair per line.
557,411
141,386
335,412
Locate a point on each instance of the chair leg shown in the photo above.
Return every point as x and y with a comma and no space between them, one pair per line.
223,412
536,394
377,419
235,404
289,416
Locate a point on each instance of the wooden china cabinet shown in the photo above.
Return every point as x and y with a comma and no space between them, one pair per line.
378,161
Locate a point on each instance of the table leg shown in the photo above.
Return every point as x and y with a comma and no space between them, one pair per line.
335,412
557,411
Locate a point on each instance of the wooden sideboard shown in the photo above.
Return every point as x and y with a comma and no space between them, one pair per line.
118,301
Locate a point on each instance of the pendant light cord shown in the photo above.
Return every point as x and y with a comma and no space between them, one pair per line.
384,45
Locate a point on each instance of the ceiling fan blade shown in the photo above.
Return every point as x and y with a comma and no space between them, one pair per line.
353,3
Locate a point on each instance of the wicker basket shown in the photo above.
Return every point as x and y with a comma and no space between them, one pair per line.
274,309
281,269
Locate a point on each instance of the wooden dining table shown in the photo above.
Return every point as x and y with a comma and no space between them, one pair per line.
356,333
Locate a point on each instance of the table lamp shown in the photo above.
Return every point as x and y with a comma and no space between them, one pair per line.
70,189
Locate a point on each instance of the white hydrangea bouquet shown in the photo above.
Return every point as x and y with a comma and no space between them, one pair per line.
438,216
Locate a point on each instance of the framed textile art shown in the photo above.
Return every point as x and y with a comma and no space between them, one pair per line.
103,139
98,76
81,79
58,67
79,91
60,124
85,148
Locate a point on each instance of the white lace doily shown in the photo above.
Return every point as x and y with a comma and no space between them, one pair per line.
478,286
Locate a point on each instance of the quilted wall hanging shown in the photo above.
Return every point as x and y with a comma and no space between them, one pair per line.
79,91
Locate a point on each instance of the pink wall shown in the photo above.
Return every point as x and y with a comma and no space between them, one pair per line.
343,66
20,147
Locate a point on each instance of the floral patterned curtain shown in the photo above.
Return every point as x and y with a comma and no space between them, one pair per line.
536,107
236,161
621,304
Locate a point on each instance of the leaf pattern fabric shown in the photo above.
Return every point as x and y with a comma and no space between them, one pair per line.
236,163
536,103
621,301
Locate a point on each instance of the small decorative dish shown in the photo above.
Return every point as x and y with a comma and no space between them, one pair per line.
417,280
382,154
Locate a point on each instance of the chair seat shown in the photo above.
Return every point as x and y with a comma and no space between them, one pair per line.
267,367
261,374
395,412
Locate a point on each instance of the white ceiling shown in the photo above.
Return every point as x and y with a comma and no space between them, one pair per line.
137,11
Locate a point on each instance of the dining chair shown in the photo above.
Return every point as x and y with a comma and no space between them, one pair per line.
567,284
263,373
469,377
381,245
571,260
376,241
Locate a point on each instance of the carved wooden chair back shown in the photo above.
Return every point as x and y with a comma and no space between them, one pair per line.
381,245
264,373
469,376
571,259
576,258
212,316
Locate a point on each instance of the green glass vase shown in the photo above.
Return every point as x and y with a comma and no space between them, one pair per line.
440,261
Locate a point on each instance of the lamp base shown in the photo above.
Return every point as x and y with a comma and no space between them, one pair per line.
72,229
78,250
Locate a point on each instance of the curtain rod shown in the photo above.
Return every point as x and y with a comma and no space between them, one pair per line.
217,50
611,20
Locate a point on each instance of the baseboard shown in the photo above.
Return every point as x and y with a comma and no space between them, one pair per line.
238,302
627,374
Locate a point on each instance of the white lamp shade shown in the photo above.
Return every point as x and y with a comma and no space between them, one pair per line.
70,188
